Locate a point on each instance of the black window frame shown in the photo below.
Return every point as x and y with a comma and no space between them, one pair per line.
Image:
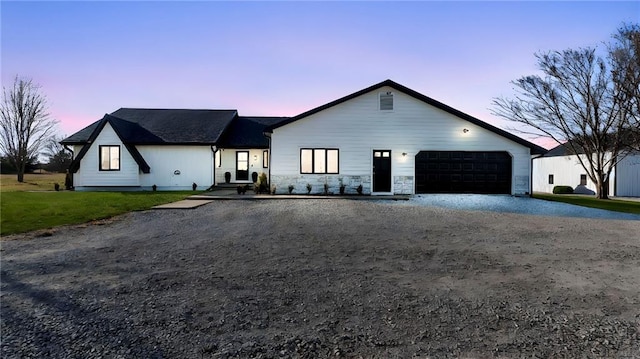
550,179
583,180
100,158
265,159
326,160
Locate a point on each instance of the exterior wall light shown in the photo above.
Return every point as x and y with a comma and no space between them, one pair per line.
404,154
465,130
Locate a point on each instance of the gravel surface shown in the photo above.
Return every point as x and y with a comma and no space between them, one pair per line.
324,278
510,204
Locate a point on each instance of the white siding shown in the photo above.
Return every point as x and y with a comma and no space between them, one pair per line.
566,171
357,127
228,157
89,174
628,176
194,164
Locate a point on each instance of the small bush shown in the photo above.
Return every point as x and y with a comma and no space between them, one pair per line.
562,190
309,188
359,189
291,188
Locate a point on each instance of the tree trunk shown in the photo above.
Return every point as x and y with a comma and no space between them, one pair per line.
602,189
20,175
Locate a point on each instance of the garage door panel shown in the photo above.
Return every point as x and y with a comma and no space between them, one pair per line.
463,172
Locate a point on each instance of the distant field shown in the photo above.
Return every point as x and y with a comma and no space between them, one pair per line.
35,205
32,182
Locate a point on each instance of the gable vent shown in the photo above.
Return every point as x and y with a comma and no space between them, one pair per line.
386,101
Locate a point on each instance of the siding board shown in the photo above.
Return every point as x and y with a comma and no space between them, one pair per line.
357,127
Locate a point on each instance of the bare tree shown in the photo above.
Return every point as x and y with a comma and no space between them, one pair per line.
579,101
624,57
25,124
58,158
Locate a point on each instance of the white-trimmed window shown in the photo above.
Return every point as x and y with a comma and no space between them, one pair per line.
386,101
109,158
218,158
319,160
265,159
583,180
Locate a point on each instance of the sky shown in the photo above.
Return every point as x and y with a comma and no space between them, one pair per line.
267,58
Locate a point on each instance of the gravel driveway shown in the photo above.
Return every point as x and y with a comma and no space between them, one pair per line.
324,278
510,204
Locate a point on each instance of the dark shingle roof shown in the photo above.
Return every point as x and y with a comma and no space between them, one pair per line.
562,150
162,126
118,126
247,132
535,149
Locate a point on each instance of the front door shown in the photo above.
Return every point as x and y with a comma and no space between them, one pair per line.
381,171
242,165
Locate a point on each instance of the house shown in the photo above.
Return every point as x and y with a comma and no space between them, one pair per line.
385,139
560,166
390,139
134,149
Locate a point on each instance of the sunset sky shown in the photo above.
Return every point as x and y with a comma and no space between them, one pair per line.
283,58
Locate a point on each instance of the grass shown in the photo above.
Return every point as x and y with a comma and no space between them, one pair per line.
590,201
32,182
34,205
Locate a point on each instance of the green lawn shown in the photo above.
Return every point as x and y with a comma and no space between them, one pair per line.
28,211
590,201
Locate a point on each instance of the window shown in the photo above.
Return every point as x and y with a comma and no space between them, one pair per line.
319,160
583,180
219,158
109,158
386,101
265,159
550,179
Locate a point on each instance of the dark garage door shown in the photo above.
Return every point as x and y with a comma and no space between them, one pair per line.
463,172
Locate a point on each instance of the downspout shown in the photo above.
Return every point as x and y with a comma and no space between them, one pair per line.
214,149
69,176
68,149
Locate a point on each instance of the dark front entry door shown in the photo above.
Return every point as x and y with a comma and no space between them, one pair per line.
242,166
381,171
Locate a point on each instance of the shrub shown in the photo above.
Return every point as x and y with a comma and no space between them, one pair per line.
562,190
263,186
326,189
359,189
291,189
309,188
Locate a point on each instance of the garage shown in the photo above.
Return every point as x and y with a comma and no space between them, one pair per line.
463,172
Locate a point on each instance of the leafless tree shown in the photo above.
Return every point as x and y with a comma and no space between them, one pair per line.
25,124
624,58
581,101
